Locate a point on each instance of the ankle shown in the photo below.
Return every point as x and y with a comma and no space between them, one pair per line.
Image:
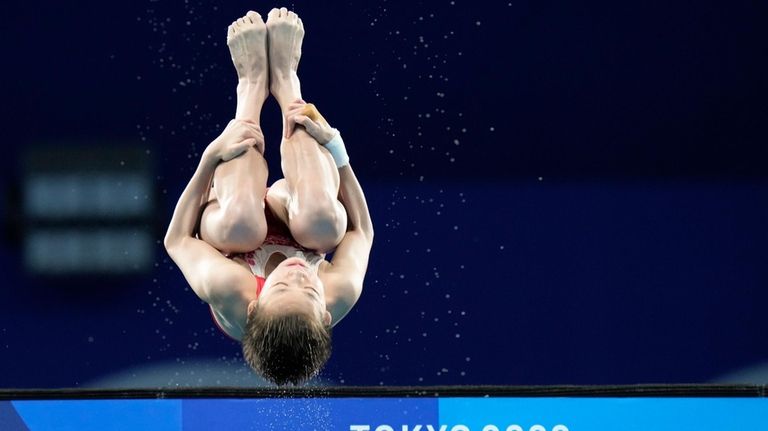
251,85
285,90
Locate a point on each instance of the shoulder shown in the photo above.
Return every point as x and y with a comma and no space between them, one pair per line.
229,284
343,276
232,326
342,290
231,290
210,274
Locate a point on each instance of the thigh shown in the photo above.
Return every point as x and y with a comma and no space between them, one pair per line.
319,230
233,219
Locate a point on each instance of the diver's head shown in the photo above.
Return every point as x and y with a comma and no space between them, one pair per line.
287,337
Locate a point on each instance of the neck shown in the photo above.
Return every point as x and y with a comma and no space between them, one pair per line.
272,263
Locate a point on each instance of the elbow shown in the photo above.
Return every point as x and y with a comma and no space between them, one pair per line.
366,230
169,242
362,227
369,230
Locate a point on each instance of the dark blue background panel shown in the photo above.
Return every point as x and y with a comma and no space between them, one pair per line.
485,283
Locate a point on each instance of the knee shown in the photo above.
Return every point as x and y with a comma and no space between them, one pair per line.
242,229
319,227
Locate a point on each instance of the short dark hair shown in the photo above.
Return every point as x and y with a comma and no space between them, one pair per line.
290,348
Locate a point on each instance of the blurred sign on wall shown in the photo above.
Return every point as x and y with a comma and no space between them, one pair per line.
87,210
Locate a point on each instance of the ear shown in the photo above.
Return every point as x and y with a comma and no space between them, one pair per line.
327,318
252,306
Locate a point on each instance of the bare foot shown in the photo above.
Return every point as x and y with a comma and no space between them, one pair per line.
247,42
286,33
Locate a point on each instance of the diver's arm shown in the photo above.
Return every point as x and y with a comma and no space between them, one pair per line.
236,138
196,259
210,274
343,278
187,212
352,197
345,274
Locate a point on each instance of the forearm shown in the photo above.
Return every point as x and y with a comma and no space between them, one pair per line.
352,197
187,212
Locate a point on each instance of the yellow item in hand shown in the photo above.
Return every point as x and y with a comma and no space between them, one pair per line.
311,112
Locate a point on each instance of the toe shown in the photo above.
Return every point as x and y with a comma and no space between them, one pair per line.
254,16
230,32
274,13
292,15
283,12
242,22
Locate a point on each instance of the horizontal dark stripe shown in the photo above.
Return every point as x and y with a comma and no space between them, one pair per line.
750,391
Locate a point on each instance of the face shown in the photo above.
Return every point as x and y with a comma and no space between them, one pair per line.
293,287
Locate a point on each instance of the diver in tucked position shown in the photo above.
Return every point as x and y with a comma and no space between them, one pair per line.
255,254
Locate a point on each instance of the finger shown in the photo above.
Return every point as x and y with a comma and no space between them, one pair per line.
249,124
290,124
296,105
248,143
291,121
243,145
312,127
302,119
251,128
290,114
236,149
294,112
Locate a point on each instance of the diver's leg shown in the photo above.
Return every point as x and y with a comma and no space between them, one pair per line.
316,218
233,219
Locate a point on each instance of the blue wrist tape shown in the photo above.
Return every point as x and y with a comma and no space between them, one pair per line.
336,147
